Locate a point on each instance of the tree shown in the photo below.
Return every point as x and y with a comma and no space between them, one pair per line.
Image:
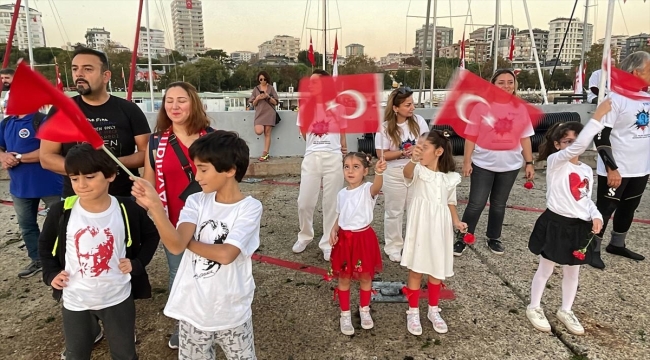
14,56
361,64
413,61
318,58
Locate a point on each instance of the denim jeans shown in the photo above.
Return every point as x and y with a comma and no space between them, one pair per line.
26,213
173,261
486,184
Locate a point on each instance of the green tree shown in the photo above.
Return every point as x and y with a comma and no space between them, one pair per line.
361,64
14,56
318,58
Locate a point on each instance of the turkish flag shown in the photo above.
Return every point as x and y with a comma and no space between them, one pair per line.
30,91
347,102
486,115
310,53
188,4
623,83
59,83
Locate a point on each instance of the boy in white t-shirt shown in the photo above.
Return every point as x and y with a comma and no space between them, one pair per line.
213,290
94,248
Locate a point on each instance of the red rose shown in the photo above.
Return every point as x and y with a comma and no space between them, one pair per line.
579,255
529,185
407,146
469,239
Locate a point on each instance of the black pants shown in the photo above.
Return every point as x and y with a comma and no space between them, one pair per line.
624,200
493,185
119,330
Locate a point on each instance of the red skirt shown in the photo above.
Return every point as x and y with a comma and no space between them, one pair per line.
356,254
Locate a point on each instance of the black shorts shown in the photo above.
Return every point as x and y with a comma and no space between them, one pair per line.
629,189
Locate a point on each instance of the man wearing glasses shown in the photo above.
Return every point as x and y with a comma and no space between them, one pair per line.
121,123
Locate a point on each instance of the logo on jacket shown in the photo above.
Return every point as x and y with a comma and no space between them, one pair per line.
23,133
218,232
94,253
642,119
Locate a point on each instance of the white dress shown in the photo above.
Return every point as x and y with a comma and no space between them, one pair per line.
429,240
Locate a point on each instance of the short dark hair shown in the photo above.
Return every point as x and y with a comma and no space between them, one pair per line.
320,72
88,51
554,134
266,76
225,150
82,159
7,71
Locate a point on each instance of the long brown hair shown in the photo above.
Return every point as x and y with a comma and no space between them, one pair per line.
198,119
440,139
393,131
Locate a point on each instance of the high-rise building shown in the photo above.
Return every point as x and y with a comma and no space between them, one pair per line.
444,37
20,36
636,43
281,45
354,50
98,38
156,41
618,45
187,19
486,34
573,43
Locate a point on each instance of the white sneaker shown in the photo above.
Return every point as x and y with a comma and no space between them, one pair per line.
366,319
327,254
571,322
346,323
300,246
395,257
439,325
538,319
413,321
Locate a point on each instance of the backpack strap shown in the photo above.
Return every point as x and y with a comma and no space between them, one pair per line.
154,140
37,119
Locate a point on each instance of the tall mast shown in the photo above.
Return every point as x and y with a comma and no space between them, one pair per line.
151,78
324,33
424,52
433,50
539,68
134,55
12,31
30,49
496,36
584,37
606,74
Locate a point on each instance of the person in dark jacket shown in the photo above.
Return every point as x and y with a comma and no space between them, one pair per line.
94,249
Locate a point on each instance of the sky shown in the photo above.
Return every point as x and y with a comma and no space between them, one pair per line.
382,26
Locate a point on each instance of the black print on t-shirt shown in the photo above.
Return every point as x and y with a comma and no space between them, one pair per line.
205,268
108,131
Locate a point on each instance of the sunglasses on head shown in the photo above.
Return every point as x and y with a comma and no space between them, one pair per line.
404,90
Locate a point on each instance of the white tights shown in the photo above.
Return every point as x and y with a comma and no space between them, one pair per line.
569,283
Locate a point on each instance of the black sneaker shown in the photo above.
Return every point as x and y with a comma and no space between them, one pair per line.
31,270
495,246
624,252
459,247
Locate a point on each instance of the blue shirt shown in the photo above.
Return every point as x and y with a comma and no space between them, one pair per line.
28,180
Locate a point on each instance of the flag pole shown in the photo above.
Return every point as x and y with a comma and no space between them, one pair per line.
151,74
433,51
535,55
606,64
119,163
30,47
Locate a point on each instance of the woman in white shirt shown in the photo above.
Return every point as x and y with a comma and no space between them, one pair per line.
493,173
400,132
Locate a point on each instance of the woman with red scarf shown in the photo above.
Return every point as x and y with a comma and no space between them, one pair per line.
168,165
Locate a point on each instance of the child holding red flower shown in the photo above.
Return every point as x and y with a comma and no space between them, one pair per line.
355,248
563,233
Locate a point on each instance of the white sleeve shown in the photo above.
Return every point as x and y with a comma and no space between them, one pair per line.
190,211
416,171
298,119
338,203
529,126
382,141
583,141
424,127
454,179
610,118
594,79
593,210
245,231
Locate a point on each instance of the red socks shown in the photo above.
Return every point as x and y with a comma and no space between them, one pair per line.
364,297
434,293
344,299
413,296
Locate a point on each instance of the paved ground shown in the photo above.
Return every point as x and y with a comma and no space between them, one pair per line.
295,317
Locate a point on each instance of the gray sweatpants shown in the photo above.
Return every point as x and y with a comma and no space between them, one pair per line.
236,343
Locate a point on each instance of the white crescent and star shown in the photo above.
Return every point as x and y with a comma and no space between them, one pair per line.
359,100
464,101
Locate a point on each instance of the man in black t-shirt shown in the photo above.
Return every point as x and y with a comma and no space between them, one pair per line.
121,123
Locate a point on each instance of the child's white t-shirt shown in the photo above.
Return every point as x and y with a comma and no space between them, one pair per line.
95,243
408,139
355,207
324,134
208,295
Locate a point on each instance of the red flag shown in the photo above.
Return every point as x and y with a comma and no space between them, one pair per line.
59,83
30,91
335,63
310,53
462,52
512,47
486,115
623,83
346,102
188,4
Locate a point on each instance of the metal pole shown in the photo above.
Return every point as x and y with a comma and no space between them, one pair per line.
12,31
424,52
559,53
605,75
496,35
30,50
433,50
134,55
535,55
324,33
584,37
151,78
67,84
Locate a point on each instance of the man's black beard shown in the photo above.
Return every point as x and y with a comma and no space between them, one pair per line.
86,90
6,86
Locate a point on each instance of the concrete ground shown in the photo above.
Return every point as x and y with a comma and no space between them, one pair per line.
295,317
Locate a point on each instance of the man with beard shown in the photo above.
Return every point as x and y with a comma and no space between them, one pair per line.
121,123
6,77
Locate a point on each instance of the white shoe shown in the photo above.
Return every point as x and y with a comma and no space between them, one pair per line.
396,257
571,322
327,254
413,321
300,246
366,319
346,323
538,319
439,325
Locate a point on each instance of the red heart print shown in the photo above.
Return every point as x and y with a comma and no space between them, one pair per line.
578,186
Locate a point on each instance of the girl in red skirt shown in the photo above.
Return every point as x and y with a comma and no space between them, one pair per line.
355,248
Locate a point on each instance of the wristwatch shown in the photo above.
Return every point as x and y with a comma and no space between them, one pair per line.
19,157
530,162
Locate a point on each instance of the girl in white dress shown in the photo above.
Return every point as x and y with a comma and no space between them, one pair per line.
431,219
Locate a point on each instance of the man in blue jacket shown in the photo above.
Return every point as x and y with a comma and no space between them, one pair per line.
30,183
